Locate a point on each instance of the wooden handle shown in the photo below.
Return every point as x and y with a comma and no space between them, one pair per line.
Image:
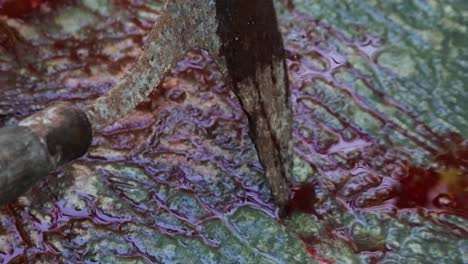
40,144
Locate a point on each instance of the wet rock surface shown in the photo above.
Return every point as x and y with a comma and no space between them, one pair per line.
381,157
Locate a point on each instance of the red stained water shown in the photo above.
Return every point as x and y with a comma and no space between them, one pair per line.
443,188
380,176
302,199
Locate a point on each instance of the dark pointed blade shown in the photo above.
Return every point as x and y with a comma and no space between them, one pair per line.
253,50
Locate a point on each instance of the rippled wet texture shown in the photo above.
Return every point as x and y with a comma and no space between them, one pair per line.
381,156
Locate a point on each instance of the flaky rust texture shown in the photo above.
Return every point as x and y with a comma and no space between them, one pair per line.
185,24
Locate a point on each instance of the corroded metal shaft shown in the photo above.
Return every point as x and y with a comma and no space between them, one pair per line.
38,145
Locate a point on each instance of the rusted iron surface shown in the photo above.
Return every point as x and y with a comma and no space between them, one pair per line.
184,25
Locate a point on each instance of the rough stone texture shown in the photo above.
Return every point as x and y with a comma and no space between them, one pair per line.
379,145
398,68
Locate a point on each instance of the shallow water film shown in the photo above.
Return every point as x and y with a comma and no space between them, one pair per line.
379,92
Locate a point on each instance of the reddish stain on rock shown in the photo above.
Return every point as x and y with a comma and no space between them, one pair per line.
19,8
302,199
444,187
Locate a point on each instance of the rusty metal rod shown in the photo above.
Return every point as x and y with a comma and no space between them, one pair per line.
39,144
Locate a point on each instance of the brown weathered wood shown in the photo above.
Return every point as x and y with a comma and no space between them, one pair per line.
253,51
